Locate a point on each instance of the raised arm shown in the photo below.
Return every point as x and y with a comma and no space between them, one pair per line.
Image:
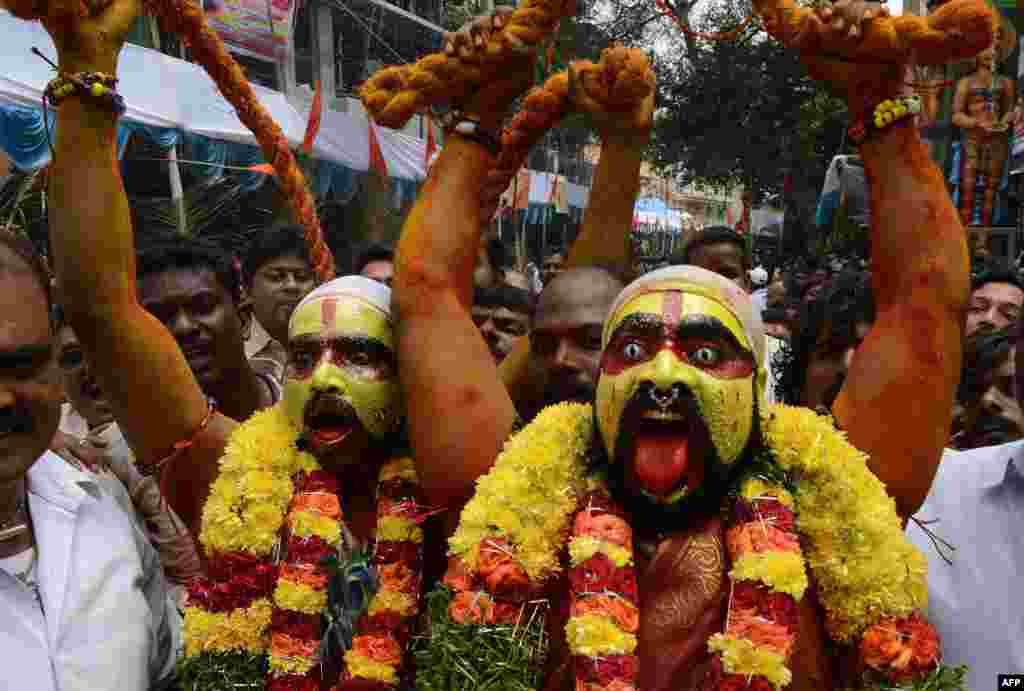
459,413
155,398
604,239
896,402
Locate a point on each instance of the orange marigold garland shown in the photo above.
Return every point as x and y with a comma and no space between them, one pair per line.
604,612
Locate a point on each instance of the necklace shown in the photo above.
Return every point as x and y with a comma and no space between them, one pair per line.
14,526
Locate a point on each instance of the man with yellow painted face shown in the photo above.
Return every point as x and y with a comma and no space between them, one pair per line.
341,385
678,391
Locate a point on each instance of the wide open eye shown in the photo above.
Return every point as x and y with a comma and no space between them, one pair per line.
706,356
634,351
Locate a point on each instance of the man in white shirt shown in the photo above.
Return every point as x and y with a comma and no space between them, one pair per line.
970,529
971,534
83,603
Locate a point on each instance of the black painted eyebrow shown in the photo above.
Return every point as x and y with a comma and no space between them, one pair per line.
347,341
25,355
691,326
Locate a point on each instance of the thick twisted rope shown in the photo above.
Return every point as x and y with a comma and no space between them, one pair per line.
186,18
395,94
619,82
958,30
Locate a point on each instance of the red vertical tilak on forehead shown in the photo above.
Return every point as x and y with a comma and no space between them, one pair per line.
328,308
672,308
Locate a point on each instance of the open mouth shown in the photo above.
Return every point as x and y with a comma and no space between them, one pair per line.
666,453
329,420
91,390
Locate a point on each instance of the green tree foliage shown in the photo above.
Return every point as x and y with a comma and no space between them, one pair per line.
742,111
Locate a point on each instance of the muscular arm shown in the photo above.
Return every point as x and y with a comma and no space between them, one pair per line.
896,402
155,398
458,410
604,239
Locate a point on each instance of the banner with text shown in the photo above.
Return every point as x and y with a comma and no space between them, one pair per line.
260,29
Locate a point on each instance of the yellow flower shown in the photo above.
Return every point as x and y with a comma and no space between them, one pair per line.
309,524
592,635
740,656
530,493
262,524
365,668
782,571
299,597
756,488
238,630
846,522
391,601
292,665
398,529
583,548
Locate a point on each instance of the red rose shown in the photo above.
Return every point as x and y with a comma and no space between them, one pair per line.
296,624
350,683
382,649
458,576
501,573
312,550
740,682
295,682
317,481
223,565
599,574
391,551
603,670
505,612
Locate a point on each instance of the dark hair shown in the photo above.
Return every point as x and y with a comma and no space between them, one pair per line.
272,243
773,315
373,252
160,256
997,274
505,295
715,235
984,351
22,247
846,301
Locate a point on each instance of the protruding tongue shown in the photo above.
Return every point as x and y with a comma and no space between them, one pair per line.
329,436
660,461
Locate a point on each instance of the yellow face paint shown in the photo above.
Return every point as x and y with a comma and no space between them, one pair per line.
344,345
725,395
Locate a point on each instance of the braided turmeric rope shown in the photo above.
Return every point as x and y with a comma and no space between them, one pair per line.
958,30
395,94
684,26
186,18
619,82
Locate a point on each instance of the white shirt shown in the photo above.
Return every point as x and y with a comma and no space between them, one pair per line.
977,501
105,622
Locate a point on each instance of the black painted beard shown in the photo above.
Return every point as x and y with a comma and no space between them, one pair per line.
648,515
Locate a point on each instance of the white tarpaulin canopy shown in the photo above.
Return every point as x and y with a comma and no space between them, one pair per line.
162,91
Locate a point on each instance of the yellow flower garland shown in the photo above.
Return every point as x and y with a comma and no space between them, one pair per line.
223,632
848,522
740,656
844,517
530,492
593,635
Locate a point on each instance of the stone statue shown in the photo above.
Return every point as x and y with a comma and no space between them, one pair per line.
983,110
